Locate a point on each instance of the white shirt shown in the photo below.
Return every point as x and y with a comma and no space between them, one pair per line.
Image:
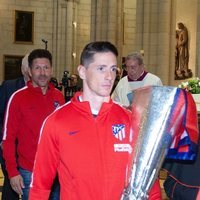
123,91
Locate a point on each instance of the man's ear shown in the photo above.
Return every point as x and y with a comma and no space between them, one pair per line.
52,70
82,72
29,72
142,66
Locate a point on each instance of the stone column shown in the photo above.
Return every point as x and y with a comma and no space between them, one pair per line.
197,67
64,36
107,22
153,34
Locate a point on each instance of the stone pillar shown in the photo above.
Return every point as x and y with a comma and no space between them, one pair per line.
197,67
64,36
107,22
153,31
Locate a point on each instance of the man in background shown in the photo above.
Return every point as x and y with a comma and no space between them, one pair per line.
7,88
74,85
136,77
27,108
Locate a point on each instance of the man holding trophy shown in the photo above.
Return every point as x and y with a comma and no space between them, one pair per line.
88,141
102,151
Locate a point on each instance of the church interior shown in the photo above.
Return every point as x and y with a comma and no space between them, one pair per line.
64,27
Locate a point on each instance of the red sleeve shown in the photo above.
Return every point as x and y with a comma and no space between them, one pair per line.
191,121
11,126
61,98
46,163
198,196
155,192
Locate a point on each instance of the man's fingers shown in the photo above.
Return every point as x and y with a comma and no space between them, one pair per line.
17,184
22,183
18,190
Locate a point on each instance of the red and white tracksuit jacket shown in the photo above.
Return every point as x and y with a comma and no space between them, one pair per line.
26,110
90,153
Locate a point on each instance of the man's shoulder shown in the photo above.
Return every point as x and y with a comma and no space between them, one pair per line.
19,93
8,83
122,81
8,87
58,93
62,113
14,83
152,77
121,108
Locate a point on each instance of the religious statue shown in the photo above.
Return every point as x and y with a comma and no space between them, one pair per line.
182,70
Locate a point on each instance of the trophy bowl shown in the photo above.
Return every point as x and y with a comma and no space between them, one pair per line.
157,115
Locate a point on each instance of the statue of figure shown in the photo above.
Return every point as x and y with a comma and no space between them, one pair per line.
176,54
182,54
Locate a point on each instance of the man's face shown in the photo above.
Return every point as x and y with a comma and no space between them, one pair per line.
134,70
99,75
40,72
74,80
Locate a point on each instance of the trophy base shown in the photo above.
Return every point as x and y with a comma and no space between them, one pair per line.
126,196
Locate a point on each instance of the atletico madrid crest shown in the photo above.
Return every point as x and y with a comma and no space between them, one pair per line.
119,131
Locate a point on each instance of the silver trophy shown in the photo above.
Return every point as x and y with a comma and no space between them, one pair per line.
156,119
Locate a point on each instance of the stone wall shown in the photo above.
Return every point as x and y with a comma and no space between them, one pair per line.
64,24
42,27
131,25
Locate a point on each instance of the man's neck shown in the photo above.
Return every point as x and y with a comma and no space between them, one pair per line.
139,78
95,102
43,89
